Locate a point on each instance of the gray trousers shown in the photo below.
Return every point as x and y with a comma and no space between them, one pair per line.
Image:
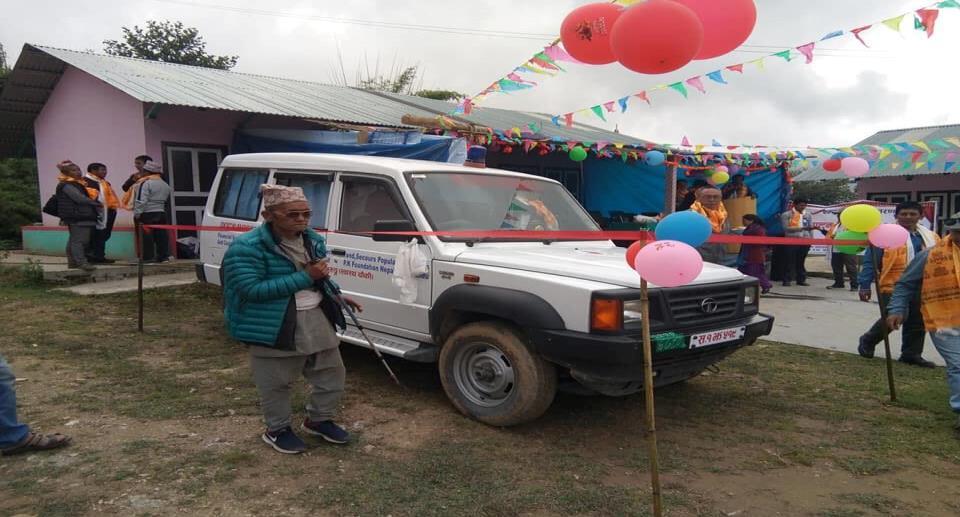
274,377
78,243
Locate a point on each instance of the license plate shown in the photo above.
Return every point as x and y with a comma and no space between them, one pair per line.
716,337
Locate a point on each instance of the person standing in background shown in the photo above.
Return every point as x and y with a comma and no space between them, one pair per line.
755,255
77,207
797,224
841,261
147,198
107,215
138,164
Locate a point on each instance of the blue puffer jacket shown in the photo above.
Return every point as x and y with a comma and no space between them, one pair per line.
259,286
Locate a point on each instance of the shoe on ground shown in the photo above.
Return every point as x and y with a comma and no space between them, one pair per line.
88,267
765,291
803,284
917,361
327,430
854,288
786,284
835,286
284,440
103,261
865,351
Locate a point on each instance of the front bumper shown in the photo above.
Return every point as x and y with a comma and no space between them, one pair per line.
611,359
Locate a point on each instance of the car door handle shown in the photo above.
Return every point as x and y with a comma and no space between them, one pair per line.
339,253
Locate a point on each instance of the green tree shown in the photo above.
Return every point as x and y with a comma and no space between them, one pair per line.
401,83
19,199
4,69
169,42
825,192
440,95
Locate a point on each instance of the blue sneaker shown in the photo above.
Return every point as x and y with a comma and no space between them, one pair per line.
284,440
327,430
865,350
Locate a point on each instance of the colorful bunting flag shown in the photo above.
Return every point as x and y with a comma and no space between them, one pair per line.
834,34
598,111
556,120
717,76
856,32
568,119
953,140
884,152
949,3
921,145
715,143
807,51
557,53
643,96
736,68
678,86
928,18
623,104
759,63
894,23
784,54
685,142
609,106
697,83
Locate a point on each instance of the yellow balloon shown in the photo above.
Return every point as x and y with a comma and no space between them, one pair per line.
861,218
719,178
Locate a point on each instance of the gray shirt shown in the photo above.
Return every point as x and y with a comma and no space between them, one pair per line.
151,196
806,222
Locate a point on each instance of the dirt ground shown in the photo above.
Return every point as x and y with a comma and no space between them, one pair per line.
167,423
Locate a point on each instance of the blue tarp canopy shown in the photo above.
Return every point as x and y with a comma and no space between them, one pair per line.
612,185
412,144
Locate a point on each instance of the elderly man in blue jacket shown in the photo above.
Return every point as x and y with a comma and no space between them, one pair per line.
279,301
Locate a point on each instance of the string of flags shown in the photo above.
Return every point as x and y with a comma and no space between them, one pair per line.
924,20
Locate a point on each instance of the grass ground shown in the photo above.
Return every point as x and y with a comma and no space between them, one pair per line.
167,423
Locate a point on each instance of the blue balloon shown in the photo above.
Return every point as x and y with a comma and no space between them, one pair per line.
840,156
654,158
687,227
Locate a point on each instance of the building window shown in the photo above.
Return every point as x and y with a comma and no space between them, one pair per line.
239,194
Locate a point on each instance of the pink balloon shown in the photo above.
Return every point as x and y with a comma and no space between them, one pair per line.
585,32
668,263
887,236
656,37
854,166
726,24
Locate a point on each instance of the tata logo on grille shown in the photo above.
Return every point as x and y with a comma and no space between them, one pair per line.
709,306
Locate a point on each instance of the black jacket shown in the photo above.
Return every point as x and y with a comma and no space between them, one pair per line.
74,205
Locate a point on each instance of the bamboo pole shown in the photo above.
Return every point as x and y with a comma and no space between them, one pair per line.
648,400
138,244
883,321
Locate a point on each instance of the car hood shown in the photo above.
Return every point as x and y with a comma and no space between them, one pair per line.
594,262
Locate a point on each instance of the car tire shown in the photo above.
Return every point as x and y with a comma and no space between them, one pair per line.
491,375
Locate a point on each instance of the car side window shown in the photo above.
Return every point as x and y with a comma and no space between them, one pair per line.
238,196
317,189
366,201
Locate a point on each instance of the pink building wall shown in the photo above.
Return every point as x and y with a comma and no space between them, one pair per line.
86,120
919,183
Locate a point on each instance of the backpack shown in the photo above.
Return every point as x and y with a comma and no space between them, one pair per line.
52,206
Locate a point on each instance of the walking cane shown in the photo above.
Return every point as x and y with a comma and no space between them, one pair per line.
883,322
338,298
648,400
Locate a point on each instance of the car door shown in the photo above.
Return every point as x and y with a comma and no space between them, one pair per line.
364,268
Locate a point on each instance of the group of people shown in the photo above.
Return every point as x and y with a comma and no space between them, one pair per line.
87,204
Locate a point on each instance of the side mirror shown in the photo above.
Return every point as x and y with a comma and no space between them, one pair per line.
394,226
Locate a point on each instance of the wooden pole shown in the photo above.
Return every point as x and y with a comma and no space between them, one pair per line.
670,192
883,321
648,400
138,242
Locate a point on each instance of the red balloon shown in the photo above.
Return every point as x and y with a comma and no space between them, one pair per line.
832,165
585,32
726,24
632,252
656,37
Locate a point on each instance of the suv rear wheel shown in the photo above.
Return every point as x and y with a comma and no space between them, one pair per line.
491,375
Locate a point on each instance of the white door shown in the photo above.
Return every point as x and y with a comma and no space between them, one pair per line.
364,268
192,171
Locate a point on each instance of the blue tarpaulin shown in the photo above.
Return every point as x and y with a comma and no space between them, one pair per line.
419,147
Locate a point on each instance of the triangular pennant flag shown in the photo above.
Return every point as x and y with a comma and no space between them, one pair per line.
807,51
895,165
759,63
717,76
916,156
884,152
568,118
714,143
467,106
834,34
953,140
685,142
894,23
534,127
941,143
642,96
609,106
919,165
921,145
698,148
697,83
949,165
557,53
555,120
601,144
598,111
680,88
949,3
527,145
736,68
784,54
618,145
856,32
624,156
544,64
928,17
623,104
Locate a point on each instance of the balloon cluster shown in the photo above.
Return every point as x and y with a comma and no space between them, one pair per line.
672,260
851,166
864,222
718,175
657,36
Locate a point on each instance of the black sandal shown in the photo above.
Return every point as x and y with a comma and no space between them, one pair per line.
38,442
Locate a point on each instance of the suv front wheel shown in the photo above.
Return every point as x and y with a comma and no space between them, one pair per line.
491,375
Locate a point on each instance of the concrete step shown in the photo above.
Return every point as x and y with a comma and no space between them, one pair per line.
130,284
59,273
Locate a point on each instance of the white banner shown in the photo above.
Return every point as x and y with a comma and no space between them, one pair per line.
824,216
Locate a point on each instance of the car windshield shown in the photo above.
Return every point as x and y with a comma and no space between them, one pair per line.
464,201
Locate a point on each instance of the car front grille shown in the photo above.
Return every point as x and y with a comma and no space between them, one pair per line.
703,305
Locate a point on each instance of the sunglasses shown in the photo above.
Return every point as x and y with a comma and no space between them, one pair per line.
297,214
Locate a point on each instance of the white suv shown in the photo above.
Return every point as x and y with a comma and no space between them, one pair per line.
508,319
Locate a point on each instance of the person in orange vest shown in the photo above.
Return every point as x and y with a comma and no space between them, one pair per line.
892,264
96,178
709,204
797,224
934,275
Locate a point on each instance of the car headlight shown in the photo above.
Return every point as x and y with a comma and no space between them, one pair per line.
751,296
632,312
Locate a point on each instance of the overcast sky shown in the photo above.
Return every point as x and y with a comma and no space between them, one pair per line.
900,81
